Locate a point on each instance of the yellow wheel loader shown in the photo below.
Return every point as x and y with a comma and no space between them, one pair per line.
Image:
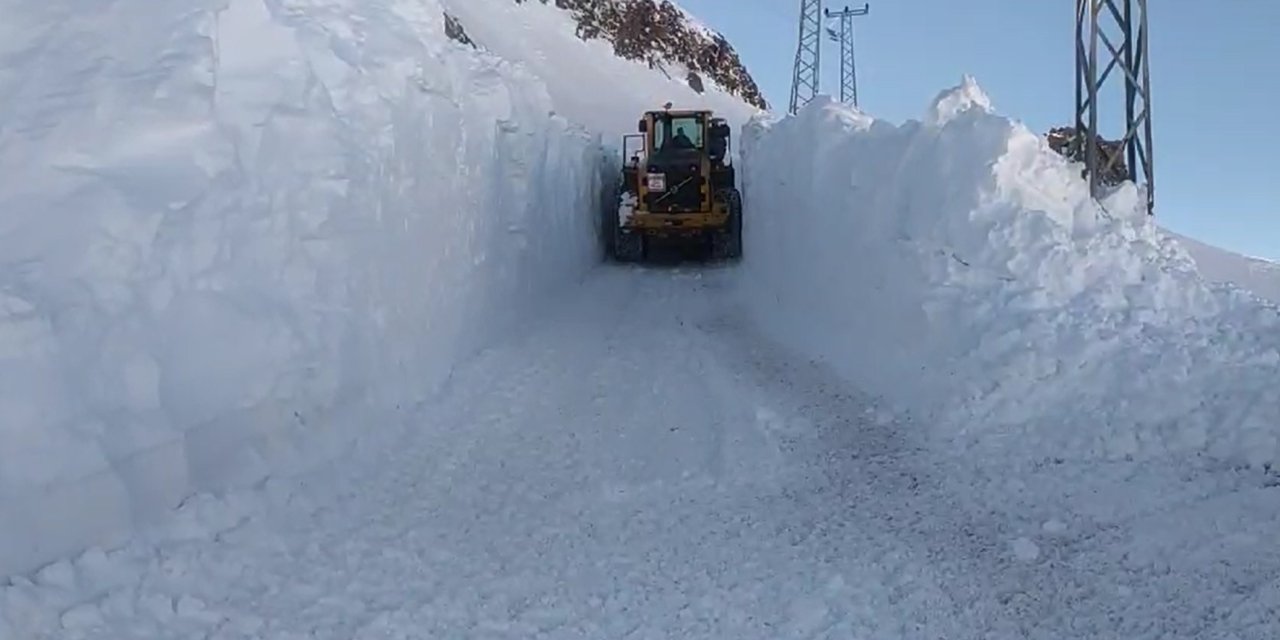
677,184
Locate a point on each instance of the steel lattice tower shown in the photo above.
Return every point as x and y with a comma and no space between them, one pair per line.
1126,20
848,64
804,82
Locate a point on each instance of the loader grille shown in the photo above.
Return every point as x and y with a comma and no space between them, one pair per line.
684,193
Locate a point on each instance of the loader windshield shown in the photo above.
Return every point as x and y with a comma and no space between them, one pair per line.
678,132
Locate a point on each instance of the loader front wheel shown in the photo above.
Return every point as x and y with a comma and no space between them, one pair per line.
628,247
726,244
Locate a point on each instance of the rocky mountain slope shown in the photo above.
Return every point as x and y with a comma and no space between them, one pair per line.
663,35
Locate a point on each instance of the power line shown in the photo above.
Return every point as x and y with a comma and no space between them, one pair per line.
848,64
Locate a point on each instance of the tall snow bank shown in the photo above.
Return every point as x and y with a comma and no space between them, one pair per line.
959,267
225,223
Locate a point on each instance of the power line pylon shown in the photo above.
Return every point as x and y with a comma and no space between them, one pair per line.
848,64
804,81
1127,21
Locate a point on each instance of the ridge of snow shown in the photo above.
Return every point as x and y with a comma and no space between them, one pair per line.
951,103
964,272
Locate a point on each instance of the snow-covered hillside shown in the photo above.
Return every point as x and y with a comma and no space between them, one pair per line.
957,266
1255,275
664,36
587,82
227,227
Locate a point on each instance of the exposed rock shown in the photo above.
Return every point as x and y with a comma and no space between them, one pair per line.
1066,141
695,81
453,29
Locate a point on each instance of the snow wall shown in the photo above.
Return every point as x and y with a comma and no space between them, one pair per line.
959,268
224,226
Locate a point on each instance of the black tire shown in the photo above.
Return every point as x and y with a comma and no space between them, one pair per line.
628,247
735,224
607,240
726,244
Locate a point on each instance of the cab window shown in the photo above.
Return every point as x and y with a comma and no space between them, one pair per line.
683,132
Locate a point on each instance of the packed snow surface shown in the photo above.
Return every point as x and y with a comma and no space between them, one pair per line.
958,266
635,462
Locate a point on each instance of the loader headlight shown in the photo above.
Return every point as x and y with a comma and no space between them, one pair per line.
656,182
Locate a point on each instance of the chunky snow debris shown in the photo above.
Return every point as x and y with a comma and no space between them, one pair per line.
959,267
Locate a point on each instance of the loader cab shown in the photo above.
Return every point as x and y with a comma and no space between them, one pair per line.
694,132
670,131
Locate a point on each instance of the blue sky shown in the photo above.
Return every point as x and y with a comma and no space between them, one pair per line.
1215,76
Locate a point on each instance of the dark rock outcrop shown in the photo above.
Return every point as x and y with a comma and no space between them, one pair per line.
454,30
695,81
1068,142
657,33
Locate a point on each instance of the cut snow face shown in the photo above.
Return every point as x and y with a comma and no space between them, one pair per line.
222,222
959,267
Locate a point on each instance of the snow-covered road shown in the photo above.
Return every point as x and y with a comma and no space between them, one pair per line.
634,463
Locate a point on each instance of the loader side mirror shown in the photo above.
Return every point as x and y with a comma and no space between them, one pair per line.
633,148
643,127
719,140
718,148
